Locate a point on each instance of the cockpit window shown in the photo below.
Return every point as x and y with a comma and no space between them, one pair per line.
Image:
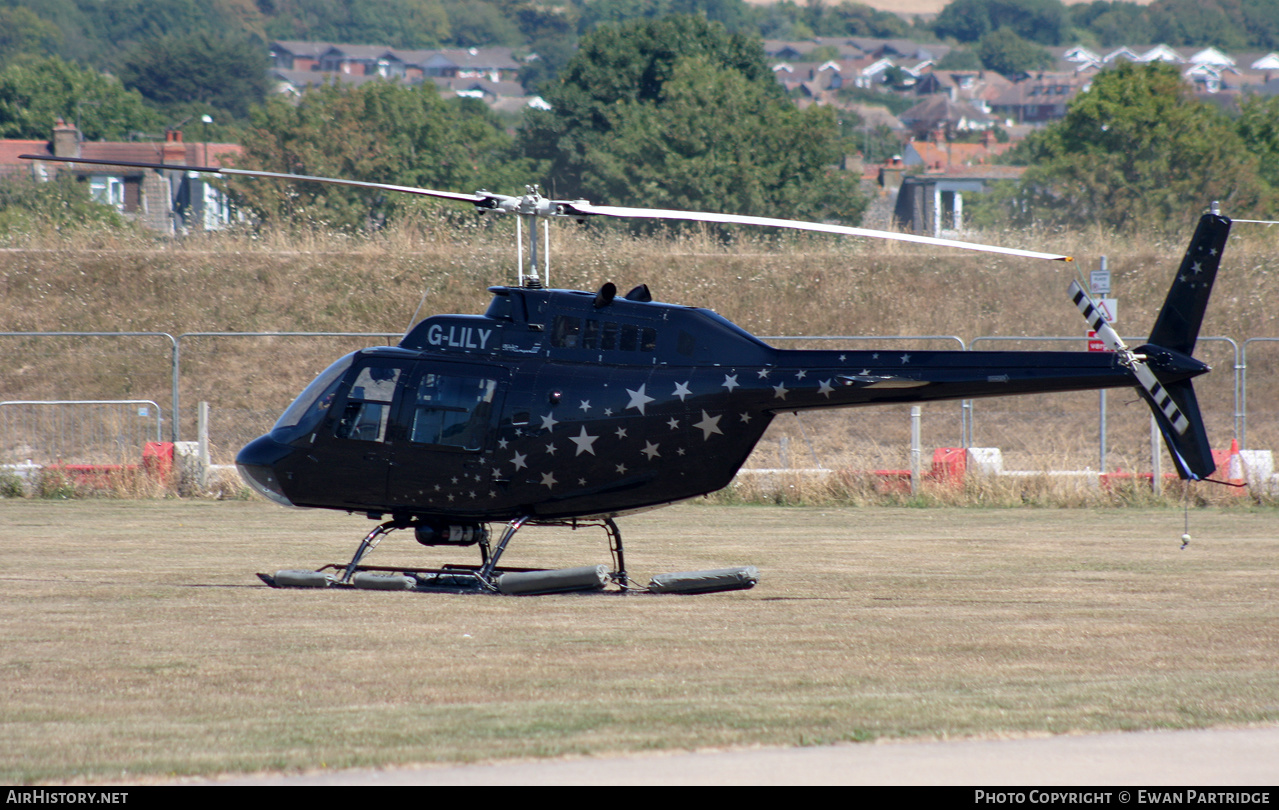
312,405
452,411
368,406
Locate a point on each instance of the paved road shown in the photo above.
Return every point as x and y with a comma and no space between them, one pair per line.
1192,758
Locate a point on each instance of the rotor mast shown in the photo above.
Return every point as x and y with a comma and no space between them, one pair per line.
530,206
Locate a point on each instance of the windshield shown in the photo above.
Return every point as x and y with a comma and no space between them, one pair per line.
311,406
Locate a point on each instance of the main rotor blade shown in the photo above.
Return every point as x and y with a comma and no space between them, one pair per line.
573,208
584,208
474,199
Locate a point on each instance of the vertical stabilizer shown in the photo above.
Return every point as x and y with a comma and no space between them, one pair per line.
1177,327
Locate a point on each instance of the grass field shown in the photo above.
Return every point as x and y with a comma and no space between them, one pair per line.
137,643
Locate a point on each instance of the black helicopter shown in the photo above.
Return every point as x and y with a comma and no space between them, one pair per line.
562,407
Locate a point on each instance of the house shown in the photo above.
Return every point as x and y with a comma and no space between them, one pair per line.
940,155
939,112
933,204
296,55
980,86
160,200
1040,98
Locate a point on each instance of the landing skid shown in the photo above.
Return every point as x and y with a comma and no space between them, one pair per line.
488,577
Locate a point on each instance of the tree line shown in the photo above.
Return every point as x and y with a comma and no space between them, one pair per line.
677,111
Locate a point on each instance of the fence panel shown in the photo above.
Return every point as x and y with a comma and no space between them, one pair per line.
89,366
1261,394
77,431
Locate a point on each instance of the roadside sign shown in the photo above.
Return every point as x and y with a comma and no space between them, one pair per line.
1109,309
1099,282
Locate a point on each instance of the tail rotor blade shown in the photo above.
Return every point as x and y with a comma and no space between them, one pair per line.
1107,334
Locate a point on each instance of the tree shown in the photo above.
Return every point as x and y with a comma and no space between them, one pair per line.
1258,126
679,113
1044,21
1004,52
396,23
63,204
474,23
959,59
1114,23
380,132
1138,151
23,32
227,74
34,93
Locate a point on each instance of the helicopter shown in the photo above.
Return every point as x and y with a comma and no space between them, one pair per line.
573,408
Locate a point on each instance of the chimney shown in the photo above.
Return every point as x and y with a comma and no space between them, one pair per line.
66,140
174,150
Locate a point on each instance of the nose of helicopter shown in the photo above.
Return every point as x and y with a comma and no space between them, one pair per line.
257,462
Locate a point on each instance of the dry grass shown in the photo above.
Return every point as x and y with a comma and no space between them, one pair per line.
137,642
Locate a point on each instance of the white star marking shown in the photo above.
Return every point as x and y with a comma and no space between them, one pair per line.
502,443
550,449
681,390
763,374
581,482
621,433
548,480
674,423
841,358
709,425
905,359
549,421
864,373
680,451
825,389
621,469
586,405
779,391
730,382
746,418
638,399
608,411
455,479
583,442
650,450
801,375
875,356
1196,269
518,461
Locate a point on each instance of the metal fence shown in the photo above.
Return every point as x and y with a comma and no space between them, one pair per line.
249,387
85,431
